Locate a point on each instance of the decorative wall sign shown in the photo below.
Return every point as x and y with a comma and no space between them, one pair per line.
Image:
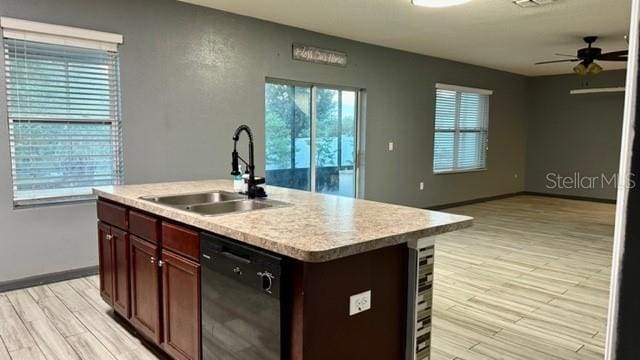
320,56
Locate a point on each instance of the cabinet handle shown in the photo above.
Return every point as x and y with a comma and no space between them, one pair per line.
160,263
108,237
153,260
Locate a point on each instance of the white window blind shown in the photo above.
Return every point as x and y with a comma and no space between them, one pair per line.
461,129
64,120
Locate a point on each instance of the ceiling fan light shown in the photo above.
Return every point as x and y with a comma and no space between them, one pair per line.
580,69
532,3
594,69
438,3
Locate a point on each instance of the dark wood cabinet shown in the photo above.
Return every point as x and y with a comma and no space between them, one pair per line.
150,275
145,288
144,226
113,214
121,294
181,306
181,240
105,262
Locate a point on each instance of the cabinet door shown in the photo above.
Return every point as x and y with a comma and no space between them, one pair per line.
145,288
105,262
121,299
181,306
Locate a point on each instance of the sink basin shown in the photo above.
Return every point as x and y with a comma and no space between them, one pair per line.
214,202
233,206
198,198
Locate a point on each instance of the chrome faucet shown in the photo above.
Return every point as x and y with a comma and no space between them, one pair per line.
253,190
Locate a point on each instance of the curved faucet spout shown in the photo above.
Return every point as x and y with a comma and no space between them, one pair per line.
240,129
253,188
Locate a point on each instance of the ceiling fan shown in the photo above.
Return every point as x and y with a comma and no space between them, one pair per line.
587,57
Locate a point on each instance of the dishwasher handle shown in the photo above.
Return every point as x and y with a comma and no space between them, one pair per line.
235,257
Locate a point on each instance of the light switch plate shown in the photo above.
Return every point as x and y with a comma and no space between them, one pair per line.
359,302
391,146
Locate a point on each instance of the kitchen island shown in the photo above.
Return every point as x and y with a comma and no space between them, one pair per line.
330,248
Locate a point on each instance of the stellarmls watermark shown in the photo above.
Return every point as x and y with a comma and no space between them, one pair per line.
579,181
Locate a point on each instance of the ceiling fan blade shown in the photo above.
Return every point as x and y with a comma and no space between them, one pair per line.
565,55
556,61
615,53
613,59
614,56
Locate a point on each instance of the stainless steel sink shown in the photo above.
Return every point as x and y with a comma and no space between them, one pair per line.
193,199
233,206
214,202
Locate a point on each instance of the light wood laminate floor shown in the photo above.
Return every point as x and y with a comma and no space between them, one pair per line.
530,280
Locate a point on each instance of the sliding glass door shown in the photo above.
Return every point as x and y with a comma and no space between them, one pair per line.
335,145
311,141
287,135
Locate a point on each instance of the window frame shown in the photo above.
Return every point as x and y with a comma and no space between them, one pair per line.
358,127
484,130
49,34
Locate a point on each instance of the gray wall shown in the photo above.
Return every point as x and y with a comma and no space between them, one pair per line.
190,75
574,134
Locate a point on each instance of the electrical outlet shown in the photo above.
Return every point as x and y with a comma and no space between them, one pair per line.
391,146
359,302
421,185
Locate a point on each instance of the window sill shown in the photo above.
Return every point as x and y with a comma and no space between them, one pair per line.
448,172
39,203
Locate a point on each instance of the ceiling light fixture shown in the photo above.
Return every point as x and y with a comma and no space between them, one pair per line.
586,68
532,3
580,69
439,3
594,69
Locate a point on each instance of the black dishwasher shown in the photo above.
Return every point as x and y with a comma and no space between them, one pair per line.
240,301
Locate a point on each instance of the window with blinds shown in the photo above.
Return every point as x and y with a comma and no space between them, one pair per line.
461,129
65,132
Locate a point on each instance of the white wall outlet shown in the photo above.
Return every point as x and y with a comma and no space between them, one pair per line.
390,145
359,303
421,185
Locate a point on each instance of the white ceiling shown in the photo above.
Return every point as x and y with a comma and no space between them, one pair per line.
492,33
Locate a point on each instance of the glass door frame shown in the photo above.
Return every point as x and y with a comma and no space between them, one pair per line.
358,133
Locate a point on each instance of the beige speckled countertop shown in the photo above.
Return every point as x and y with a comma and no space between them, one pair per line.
315,228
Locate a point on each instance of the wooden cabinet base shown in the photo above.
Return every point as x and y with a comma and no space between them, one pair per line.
105,261
145,288
181,306
121,286
152,280
320,327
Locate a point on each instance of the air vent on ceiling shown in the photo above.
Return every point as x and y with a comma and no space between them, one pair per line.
532,3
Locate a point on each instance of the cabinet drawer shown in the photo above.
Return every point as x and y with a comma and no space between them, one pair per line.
144,226
112,214
181,240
